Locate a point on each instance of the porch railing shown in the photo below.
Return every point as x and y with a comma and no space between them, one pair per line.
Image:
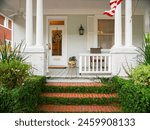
95,63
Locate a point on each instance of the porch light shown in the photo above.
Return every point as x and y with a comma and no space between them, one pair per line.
81,30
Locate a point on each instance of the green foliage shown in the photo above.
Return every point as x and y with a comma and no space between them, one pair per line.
141,75
29,95
13,73
78,101
144,53
113,83
134,98
22,99
9,55
81,89
73,58
5,100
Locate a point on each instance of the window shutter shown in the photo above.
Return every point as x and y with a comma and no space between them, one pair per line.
91,35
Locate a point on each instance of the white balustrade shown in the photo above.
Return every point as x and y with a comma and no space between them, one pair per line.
95,63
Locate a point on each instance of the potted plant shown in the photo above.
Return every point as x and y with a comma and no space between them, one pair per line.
72,61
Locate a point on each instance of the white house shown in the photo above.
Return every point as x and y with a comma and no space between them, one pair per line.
50,29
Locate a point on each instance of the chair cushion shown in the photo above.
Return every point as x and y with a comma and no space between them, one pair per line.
95,50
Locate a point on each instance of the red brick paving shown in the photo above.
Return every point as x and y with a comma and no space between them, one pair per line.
78,108
66,84
78,95
81,108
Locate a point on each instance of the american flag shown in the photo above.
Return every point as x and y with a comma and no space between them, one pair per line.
113,5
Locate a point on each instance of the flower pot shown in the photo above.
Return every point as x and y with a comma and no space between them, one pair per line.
72,64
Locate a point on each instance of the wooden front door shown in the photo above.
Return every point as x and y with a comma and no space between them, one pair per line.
57,45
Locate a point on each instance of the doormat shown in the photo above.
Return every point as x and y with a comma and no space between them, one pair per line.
57,67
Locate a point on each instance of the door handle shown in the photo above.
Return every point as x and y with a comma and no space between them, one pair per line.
49,46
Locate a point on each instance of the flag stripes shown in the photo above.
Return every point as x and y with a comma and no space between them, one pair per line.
113,5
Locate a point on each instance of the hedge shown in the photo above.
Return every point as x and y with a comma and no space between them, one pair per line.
79,101
22,99
133,98
81,89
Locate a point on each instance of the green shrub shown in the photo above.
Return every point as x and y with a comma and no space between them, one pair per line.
13,73
134,98
141,75
144,53
29,94
5,100
22,99
113,83
78,101
8,55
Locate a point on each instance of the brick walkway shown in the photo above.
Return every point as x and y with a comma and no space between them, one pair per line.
79,95
81,108
66,84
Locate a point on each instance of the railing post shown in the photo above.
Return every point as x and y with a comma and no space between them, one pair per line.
89,63
105,63
97,61
101,63
109,63
85,64
80,64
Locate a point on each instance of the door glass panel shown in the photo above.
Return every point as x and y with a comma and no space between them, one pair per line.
53,22
56,42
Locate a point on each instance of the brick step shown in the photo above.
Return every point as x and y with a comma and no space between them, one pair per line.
79,95
68,97
68,84
78,108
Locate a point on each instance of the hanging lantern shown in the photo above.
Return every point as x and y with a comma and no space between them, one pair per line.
81,30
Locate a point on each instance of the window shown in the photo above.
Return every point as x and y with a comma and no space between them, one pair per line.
54,22
6,22
2,18
5,28
9,24
105,33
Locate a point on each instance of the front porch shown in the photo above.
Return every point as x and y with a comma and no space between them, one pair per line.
116,34
72,44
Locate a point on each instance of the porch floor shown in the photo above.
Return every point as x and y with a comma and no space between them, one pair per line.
72,73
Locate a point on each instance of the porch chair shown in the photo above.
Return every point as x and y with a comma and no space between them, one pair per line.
95,51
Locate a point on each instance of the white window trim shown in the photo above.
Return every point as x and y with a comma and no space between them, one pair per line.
6,22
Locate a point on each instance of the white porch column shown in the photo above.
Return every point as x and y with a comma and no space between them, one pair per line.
29,23
128,23
121,55
147,21
118,27
39,23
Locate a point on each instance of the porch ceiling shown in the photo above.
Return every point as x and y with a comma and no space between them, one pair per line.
67,4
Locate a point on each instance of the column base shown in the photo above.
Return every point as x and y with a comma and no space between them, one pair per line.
37,58
123,57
